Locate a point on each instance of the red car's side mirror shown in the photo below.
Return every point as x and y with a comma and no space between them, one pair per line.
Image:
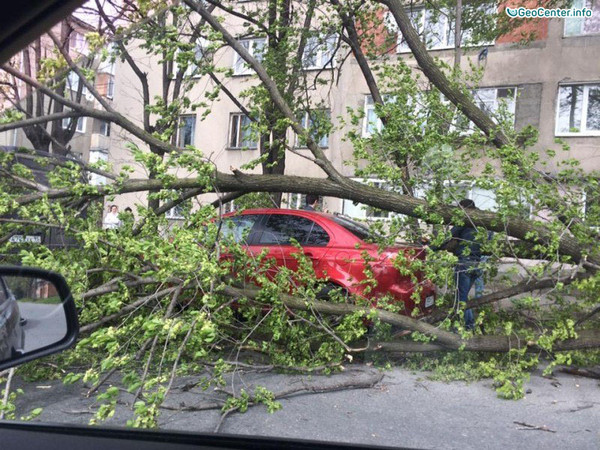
37,315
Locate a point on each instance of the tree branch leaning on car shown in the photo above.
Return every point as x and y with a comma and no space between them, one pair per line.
464,245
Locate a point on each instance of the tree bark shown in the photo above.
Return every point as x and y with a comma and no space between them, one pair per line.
443,340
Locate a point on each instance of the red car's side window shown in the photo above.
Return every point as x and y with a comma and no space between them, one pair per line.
281,229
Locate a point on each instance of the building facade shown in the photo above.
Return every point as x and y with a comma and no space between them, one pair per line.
551,83
87,139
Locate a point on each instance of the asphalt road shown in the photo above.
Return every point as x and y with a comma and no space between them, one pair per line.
46,324
404,409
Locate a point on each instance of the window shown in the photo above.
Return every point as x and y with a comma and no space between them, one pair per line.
95,157
317,122
280,229
484,199
238,228
591,206
192,69
199,53
176,212
77,42
319,52
492,101
187,128
240,132
80,128
73,84
295,201
107,66
110,89
73,81
578,110
229,207
435,28
255,47
578,26
104,128
318,237
371,122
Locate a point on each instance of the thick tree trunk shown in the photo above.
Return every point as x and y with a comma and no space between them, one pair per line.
442,340
352,190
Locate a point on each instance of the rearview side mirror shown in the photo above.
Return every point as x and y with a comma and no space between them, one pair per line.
37,315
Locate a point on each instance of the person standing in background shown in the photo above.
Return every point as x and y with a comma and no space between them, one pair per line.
111,220
312,201
464,245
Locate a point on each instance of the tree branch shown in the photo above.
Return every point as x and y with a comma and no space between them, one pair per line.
352,190
443,340
37,120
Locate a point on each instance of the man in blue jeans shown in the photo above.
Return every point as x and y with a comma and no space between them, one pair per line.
464,245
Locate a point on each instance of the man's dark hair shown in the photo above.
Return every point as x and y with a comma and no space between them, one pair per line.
467,203
311,199
128,210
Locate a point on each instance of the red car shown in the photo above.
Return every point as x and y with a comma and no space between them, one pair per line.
336,246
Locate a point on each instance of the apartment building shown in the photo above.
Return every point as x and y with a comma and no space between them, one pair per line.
551,83
88,139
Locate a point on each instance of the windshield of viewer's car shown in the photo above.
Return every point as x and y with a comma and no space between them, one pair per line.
130,129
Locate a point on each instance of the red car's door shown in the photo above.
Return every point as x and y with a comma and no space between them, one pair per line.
278,233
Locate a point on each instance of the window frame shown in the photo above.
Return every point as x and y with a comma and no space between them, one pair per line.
239,130
191,70
584,210
94,178
304,123
78,42
378,123
180,128
105,128
584,110
294,200
367,107
238,61
584,4
322,49
110,87
402,48
172,213
374,182
471,129
420,192
79,128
